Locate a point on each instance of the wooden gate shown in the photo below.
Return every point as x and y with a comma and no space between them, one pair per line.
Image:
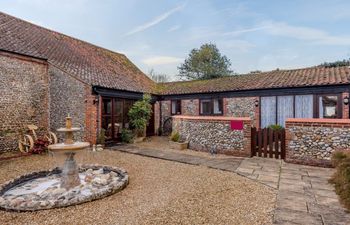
268,143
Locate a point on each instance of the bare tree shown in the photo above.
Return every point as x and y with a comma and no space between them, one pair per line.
158,77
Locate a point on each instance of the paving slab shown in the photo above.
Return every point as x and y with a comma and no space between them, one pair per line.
304,195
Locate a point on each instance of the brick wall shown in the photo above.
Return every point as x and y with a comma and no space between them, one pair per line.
24,97
312,141
67,96
345,107
214,132
91,116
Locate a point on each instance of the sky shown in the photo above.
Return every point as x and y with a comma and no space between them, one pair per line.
254,35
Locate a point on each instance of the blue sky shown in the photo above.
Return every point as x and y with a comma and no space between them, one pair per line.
254,35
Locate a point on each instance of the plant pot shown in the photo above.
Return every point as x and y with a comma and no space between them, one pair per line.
99,147
178,145
139,139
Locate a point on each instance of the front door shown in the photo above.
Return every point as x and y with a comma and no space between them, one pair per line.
114,117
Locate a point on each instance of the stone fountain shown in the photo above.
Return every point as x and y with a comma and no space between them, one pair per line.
62,186
70,172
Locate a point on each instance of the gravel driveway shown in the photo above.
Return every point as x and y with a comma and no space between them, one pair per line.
159,192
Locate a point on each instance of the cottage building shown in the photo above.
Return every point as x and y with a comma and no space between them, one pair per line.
46,75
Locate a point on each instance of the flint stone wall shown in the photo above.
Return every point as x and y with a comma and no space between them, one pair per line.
214,133
24,97
67,96
312,141
190,107
242,107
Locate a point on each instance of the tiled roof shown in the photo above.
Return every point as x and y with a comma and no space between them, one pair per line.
92,64
313,76
102,67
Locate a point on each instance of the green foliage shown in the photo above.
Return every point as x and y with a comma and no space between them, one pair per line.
275,127
101,139
175,136
344,62
205,63
127,136
140,113
341,178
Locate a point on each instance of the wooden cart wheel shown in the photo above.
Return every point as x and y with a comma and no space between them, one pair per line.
26,143
52,138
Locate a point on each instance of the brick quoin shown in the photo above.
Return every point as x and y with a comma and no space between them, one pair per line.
91,116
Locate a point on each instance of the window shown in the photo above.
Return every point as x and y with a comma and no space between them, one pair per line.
328,106
285,108
211,106
304,106
176,107
268,111
276,109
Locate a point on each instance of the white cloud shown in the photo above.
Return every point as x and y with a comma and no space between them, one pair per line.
174,28
161,60
316,36
155,21
248,30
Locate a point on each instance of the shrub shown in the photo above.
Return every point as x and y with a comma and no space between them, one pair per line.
40,146
175,136
101,139
140,114
127,136
341,178
338,157
275,127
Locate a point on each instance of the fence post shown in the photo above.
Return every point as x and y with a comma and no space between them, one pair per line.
253,141
283,144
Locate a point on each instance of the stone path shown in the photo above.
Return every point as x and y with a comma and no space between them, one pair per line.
304,195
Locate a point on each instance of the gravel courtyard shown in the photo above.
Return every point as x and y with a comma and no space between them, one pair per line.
159,192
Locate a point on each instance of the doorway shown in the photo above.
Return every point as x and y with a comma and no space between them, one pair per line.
114,115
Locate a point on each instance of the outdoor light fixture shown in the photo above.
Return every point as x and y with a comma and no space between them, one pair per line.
256,103
95,101
346,100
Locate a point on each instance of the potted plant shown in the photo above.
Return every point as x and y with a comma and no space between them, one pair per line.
175,141
139,115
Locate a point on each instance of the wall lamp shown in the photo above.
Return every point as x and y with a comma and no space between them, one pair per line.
256,103
346,100
96,100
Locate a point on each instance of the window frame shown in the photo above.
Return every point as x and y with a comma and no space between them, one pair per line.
339,108
316,108
221,103
178,103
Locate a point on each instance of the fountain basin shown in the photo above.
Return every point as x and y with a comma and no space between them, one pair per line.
69,147
41,190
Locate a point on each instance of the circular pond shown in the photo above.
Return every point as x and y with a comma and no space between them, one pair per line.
41,190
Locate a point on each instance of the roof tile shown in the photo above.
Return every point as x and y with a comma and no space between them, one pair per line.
92,64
